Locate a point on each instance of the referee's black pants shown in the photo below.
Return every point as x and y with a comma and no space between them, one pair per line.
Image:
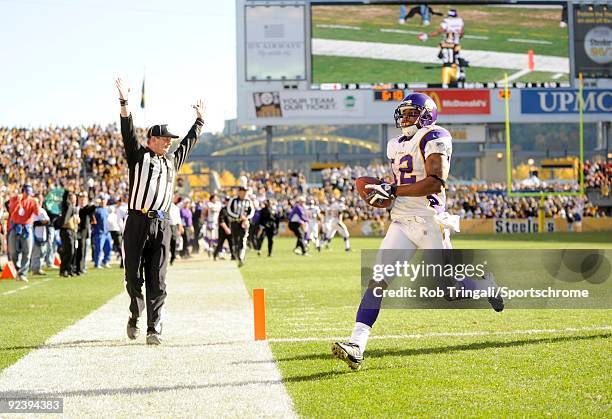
299,232
239,238
146,244
223,236
266,232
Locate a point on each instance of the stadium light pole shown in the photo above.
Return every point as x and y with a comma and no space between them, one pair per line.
268,151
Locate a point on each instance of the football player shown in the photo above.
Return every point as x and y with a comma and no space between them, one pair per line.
420,161
453,66
212,210
333,222
313,213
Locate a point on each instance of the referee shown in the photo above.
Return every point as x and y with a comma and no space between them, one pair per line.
240,210
152,173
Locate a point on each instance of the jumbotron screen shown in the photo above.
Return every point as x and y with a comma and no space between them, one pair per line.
459,45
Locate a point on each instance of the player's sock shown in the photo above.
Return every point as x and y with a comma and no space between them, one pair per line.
360,335
366,317
347,244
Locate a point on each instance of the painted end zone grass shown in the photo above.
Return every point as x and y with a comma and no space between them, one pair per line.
31,315
331,69
558,374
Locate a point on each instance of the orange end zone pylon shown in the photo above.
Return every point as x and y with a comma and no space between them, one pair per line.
9,271
530,60
57,261
259,313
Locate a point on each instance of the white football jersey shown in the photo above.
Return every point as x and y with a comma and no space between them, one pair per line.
453,27
334,210
312,213
407,158
214,208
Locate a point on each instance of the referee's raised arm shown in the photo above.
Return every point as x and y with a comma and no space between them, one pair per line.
130,142
183,150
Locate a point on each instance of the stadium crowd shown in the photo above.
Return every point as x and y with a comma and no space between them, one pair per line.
82,172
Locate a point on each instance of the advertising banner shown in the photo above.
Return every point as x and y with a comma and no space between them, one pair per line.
275,48
542,101
296,104
593,40
461,102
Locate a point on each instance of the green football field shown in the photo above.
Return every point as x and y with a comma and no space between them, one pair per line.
418,363
330,69
499,29
312,300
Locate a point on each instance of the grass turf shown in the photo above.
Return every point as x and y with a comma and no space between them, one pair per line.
495,24
332,69
563,374
31,315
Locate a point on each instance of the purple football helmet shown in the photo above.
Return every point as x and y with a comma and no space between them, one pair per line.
424,104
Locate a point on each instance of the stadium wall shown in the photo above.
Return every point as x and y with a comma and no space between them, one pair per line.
484,226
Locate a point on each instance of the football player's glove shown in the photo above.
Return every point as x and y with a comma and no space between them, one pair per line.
381,191
422,37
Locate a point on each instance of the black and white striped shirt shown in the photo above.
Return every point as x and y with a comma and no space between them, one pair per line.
240,207
152,177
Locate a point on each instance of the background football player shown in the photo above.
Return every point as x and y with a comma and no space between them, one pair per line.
333,222
453,65
212,210
420,161
313,212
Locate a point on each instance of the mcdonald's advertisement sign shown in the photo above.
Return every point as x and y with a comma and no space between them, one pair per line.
461,102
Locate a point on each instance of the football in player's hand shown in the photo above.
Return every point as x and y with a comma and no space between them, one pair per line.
366,194
422,37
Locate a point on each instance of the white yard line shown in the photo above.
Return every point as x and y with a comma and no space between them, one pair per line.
529,41
353,28
197,372
409,32
455,334
423,54
515,76
557,76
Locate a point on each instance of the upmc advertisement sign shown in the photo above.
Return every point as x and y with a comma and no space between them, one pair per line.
538,101
461,102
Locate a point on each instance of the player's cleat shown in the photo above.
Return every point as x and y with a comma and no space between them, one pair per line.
496,302
153,338
349,353
401,21
132,329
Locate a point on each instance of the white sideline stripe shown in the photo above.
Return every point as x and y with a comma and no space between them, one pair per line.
199,369
529,41
25,287
515,76
423,54
556,76
453,334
